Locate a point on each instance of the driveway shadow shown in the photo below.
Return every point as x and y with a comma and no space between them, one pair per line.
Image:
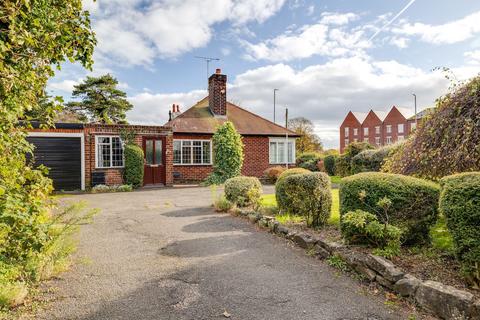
189,212
217,224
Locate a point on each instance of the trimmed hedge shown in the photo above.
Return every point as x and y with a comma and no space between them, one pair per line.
329,163
460,204
280,195
133,172
309,161
310,196
243,191
370,160
414,202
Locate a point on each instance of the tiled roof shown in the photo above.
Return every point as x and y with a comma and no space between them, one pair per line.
199,119
360,116
406,112
381,114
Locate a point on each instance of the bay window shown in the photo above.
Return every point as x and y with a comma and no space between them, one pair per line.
109,151
281,152
192,152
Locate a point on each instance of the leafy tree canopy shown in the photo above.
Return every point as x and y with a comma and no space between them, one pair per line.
100,100
309,141
447,141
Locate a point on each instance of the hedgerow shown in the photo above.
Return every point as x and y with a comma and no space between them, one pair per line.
413,202
343,165
134,167
243,191
460,204
329,163
283,201
370,160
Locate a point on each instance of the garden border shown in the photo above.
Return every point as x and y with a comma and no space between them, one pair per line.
442,300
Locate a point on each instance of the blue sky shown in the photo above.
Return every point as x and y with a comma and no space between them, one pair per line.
318,53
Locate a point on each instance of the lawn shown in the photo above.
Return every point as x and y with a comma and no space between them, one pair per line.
335,179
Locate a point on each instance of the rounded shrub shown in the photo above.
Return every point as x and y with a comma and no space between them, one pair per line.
280,195
133,172
243,191
329,163
309,196
460,204
408,203
309,160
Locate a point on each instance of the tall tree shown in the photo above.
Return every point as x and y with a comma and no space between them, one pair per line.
100,100
35,37
309,141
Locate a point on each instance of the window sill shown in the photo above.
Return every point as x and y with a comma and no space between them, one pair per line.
192,164
106,168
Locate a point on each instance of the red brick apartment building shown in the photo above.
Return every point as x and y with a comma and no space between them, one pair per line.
379,128
80,155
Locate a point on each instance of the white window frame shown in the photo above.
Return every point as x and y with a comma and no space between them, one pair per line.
346,142
277,140
80,135
97,164
377,130
389,128
365,131
355,131
347,131
191,153
401,125
401,138
413,126
377,141
388,140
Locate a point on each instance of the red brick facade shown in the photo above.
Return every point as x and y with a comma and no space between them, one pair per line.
217,91
256,159
114,176
375,130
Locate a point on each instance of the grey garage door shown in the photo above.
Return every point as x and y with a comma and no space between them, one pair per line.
63,156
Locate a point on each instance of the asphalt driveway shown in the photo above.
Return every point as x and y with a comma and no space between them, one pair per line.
164,254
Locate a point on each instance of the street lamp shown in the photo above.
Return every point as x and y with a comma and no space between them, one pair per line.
274,103
415,101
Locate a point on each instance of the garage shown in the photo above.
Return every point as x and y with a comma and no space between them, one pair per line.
63,154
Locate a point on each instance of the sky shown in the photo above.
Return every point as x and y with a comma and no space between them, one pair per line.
326,57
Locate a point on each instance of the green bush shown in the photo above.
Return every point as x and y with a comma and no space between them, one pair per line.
329,163
280,195
221,204
133,172
370,160
343,165
309,195
460,204
361,227
447,141
227,154
243,191
309,160
413,202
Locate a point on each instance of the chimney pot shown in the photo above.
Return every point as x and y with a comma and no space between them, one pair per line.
178,108
173,107
218,71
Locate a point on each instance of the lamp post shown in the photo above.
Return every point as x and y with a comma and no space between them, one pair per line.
286,137
274,103
415,101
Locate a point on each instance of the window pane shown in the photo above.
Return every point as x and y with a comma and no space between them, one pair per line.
186,152
197,151
104,155
281,152
117,152
206,151
273,152
290,152
158,152
149,151
177,151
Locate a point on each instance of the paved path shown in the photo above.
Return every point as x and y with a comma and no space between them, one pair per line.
164,254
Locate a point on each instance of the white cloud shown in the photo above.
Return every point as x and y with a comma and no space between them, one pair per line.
309,40
135,32
448,33
311,10
65,86
338,18
400,42
323,93
473,57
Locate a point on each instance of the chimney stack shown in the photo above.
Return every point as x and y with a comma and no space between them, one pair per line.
217,93
175,112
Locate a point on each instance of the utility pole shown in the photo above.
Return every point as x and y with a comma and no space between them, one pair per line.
208,60
274,103
286,137
416,118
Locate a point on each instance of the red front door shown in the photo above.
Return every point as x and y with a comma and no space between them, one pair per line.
154,150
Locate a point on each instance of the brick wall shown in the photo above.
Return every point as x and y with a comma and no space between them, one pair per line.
217,93
351,123
256,160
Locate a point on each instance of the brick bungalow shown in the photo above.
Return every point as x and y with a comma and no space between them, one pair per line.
82,155
264,141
